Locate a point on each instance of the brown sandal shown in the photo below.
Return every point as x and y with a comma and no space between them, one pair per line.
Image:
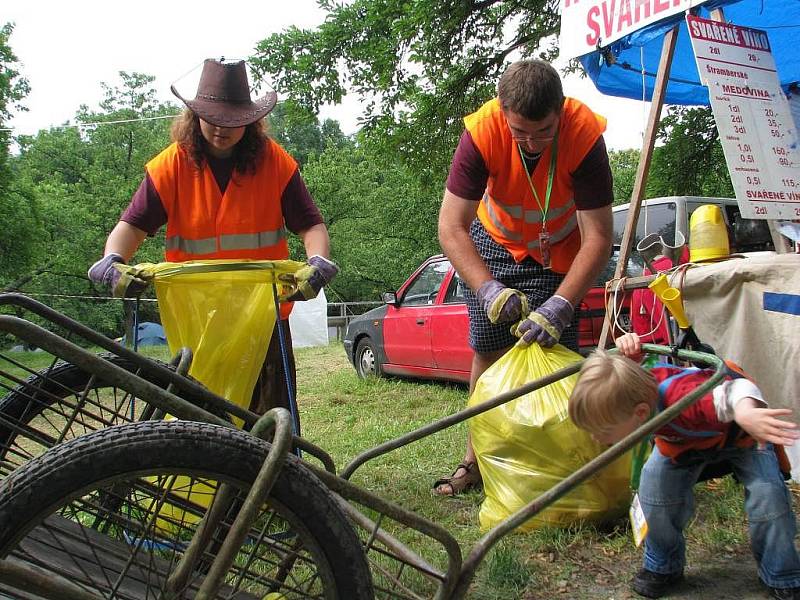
470,480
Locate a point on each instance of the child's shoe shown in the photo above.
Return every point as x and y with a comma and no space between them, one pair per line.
654,585
781,593
784,593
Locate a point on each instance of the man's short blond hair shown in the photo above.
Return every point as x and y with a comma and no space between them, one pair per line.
608,389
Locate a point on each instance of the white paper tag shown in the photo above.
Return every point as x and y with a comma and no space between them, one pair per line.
638,522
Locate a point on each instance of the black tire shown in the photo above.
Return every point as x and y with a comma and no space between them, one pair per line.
366,360
60,403
301,546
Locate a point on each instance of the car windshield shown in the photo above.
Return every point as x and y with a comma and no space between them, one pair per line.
656,218
635,267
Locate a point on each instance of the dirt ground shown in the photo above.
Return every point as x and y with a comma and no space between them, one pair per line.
730,575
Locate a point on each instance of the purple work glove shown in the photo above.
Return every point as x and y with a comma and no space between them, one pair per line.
318,272
546,324
501,304
104,273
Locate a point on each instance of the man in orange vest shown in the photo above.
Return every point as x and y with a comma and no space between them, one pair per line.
525,220
224,189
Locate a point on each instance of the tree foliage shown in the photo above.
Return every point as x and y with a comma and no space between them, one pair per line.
419,66
18,211
690,162
624,164
381,218
301,134
81,178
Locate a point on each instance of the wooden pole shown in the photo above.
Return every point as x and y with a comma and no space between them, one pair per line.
656,104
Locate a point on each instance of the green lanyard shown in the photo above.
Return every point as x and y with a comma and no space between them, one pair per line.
550,173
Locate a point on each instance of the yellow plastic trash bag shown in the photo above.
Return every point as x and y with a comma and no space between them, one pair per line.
528,445
224,311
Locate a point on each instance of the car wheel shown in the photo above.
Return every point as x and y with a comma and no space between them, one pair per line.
367,362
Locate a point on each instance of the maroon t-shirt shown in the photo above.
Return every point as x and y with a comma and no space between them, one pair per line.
591,181
146,210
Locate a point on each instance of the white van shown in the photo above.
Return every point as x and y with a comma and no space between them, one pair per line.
667,215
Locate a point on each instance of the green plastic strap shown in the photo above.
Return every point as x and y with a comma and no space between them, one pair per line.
637,463
640,451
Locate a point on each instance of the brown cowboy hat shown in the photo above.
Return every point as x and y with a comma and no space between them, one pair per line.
223,96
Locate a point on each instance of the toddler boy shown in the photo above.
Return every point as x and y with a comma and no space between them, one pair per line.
614,396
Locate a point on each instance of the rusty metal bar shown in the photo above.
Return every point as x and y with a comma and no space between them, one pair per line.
115,375
148,367
350,491
280,420
46,584
402,551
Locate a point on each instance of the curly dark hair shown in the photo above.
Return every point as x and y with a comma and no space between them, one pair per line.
246,154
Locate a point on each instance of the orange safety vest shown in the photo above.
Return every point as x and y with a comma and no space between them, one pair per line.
244,222
508,211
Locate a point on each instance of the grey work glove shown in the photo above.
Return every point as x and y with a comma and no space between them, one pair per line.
310,279
122,285
500,303
545,324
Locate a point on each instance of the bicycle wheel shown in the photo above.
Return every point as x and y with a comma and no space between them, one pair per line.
113,511
60,403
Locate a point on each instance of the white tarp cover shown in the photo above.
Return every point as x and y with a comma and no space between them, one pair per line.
748,309
309,322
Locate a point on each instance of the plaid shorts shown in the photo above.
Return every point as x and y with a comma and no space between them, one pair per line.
529,277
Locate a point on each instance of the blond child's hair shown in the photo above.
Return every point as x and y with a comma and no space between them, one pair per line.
608,389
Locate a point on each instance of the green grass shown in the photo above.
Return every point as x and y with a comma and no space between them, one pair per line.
346,416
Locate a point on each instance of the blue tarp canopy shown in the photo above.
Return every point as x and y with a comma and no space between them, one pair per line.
779,18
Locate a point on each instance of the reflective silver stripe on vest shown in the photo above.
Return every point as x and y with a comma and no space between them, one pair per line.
535,216
233,241
558,235
490,211
513,210
251,241
202,246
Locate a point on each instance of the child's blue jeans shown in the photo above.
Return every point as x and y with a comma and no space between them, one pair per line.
667,498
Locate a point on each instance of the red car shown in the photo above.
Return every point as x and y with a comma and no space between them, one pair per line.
421,330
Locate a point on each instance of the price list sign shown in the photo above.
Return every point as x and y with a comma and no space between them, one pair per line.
759,136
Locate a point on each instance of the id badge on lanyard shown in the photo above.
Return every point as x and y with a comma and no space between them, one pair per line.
544,235
544,248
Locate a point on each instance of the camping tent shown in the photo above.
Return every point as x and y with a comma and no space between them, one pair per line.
617,69
149,334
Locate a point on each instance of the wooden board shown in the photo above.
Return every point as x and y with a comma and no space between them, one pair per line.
88,557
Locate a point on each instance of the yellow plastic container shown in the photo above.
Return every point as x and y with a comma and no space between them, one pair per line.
708,235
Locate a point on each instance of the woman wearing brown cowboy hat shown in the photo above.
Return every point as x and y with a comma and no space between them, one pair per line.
225,190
